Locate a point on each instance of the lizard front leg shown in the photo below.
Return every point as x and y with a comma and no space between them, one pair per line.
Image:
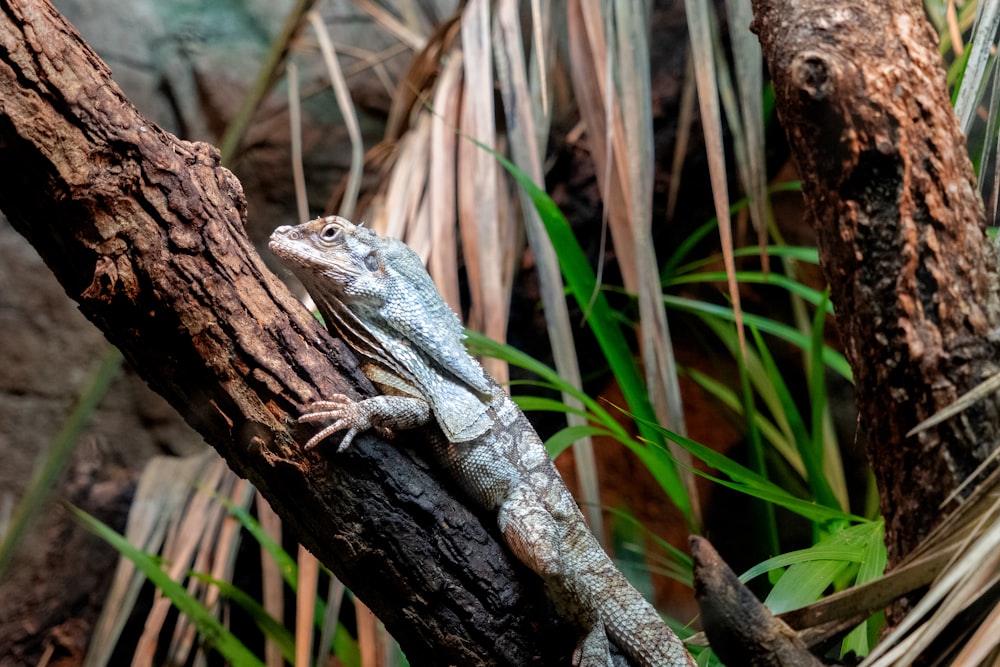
383,413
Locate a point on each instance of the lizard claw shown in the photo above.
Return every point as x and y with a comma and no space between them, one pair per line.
345,414
383,413
345,441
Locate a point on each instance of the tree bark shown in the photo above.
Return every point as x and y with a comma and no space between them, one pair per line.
861,93
146,233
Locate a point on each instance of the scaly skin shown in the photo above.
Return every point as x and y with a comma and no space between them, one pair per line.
375,294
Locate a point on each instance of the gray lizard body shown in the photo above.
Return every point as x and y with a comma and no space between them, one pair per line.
376,295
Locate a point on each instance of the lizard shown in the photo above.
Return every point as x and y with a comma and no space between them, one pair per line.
375,294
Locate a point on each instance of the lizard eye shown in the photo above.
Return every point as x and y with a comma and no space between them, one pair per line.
330,233
371,262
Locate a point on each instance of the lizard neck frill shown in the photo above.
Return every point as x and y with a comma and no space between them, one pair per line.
458,409
356,334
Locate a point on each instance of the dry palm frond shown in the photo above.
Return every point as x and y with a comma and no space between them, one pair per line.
195,541
295,121
981,79
405,189
980,63
700,30
272,584
435,181
954,31
748,147
443,260
350,116
964,600
372,640
685,114
593,86
478,176
529,114
442,189
423,71
954,622
305,605
386,19
610,49
174,514
633,78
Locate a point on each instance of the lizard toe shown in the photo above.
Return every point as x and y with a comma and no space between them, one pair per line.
330,430
593,649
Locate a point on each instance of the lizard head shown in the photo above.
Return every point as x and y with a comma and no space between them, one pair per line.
375,288
334,254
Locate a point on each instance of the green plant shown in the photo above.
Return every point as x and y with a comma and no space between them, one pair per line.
847,548
214,634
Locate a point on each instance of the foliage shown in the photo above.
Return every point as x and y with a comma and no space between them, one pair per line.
215,635
848,548
785,431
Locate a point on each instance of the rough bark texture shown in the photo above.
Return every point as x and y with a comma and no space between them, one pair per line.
145,232
861,93
740,628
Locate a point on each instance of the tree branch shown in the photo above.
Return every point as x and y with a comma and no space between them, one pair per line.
861,92
146,233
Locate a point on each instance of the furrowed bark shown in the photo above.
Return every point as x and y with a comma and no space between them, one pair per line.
146,233
861,92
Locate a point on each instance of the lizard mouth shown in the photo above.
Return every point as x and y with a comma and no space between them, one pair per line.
286,243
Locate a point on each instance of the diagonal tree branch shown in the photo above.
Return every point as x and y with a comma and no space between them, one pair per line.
146,233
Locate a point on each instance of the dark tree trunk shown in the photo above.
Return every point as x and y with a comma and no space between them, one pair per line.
146,233
861,92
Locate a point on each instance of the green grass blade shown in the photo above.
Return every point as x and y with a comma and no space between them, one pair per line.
808,446
823,488
872,568
655,458
565,437
811,571
797,253
540,403
804,583
851,544
59,456
749,482
582,284
673,562
762,379
480,344
786,406
689,243
811,295
763,513
834,360
213,633
286,563
780,441
267,624
684,248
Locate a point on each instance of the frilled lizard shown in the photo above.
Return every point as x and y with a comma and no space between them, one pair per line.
375,294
